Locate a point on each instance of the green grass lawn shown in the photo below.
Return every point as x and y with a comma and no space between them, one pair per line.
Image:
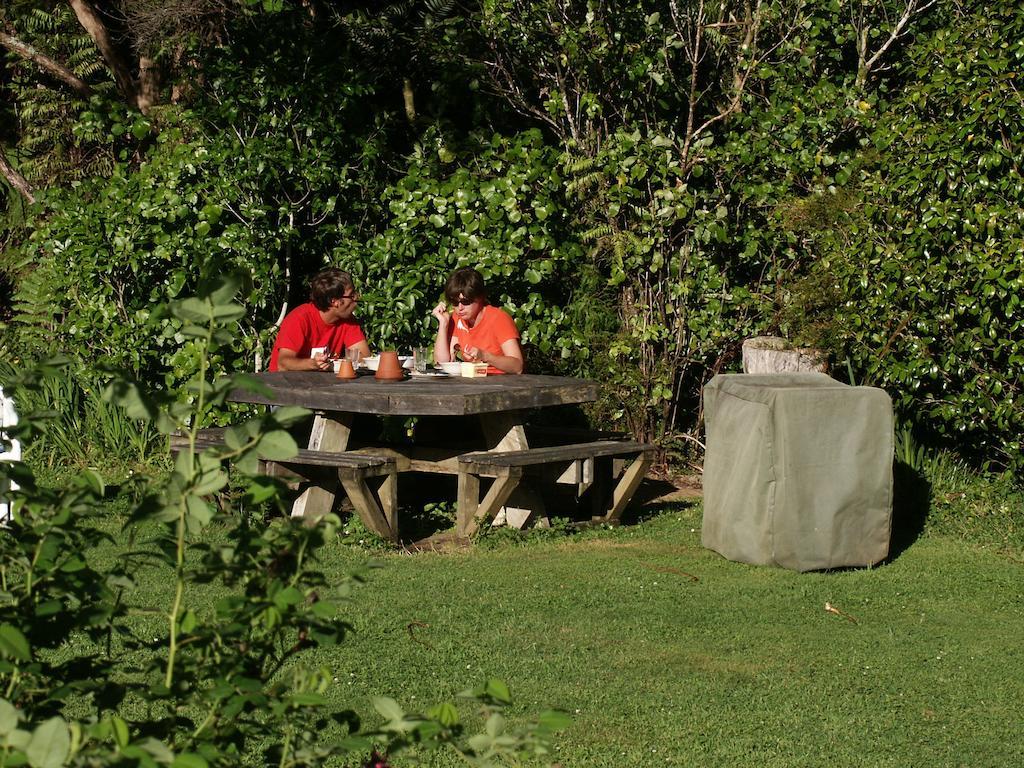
742,666
667,654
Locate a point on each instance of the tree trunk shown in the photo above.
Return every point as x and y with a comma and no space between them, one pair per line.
409,99
770,354
149,84
14,178
45,63
119,66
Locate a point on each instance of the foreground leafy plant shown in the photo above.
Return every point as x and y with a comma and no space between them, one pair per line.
214,681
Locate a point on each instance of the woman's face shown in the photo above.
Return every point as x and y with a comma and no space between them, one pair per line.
468,310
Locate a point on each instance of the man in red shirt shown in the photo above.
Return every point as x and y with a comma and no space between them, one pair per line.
482,332
312,334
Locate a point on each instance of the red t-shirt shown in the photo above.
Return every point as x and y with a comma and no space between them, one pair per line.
493,327
303,330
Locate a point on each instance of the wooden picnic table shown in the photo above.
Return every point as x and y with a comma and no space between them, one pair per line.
498,402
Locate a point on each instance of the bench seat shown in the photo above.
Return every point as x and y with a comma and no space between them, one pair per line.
377,507
591,464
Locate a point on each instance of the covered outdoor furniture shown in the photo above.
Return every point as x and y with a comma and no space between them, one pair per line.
798,471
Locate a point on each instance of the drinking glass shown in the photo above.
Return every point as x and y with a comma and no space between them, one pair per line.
354,357
422,357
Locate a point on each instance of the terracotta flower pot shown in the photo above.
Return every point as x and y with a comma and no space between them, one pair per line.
389,368
345,370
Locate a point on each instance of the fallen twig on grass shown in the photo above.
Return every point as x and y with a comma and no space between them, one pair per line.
832,609
412,635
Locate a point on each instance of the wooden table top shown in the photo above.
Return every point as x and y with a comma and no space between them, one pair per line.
419,396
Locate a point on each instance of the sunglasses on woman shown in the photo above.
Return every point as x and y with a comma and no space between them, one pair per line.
463,302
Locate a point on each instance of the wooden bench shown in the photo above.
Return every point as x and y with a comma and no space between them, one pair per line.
589,464
377,506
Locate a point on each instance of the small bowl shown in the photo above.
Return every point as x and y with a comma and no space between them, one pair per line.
372,362
452,369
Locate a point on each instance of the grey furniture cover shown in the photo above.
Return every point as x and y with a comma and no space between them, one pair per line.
797,471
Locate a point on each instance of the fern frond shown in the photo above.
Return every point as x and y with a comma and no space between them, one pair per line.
579,186
579,164
594,234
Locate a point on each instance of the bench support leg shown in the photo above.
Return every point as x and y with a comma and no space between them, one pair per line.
468,503
329,434
379,510
471,512
505,432
626,487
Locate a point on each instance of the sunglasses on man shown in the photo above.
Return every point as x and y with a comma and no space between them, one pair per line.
463,302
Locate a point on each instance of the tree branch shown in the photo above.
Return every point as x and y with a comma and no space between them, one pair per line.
866,65
90,20
14,178
45,63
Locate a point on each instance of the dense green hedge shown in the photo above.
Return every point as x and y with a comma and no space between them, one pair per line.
879,217
926,259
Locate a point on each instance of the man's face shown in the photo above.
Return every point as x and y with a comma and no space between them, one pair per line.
344,307
468,310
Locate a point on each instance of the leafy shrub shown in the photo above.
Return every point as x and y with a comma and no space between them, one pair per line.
243,179
497,206
217,679
928,262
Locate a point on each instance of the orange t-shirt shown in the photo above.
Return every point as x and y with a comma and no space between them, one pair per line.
493,327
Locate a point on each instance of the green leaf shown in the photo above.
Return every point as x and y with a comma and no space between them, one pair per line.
198,509
222,291
308,700
140,128
495,725
250,383
277,445
8,717
554,720
192,309
210,482
287,597
128,395
50,744
189,760
498,691
258,489
445,713
287,415
120,728
13,643
388,708
91,480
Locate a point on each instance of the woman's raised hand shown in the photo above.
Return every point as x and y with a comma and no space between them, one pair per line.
442,314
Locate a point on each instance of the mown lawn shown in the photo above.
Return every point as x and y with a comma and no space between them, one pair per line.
742,666
667,654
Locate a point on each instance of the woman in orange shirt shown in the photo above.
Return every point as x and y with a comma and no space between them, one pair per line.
482,332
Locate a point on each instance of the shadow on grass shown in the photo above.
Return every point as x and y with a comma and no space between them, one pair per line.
911,502
434,511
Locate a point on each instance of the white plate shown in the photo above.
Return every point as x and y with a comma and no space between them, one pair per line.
429,374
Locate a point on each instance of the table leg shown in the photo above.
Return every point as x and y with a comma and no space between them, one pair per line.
505,431
330,433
